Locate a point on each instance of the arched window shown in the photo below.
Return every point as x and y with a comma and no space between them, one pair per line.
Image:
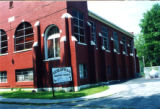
51,42
3,42
23,36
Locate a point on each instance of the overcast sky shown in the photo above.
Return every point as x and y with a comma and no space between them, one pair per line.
125,14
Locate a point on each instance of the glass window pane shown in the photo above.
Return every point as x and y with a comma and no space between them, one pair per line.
28,45
4,37
75,29
29,38
80,23
24,33
57,47
75,21
24,75
19,40
81,31
82,39
4,50
28,31
50,46
19,33
20,47
4,44
75,13
81,16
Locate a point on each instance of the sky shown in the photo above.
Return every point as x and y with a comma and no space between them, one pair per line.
125,14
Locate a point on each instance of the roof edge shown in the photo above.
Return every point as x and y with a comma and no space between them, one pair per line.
97,17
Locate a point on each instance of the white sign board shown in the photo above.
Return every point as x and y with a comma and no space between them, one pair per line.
61,74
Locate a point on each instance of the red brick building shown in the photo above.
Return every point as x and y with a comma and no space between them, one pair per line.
38,36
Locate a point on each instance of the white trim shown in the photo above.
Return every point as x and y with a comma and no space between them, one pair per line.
82,43
63,39
73,38
115,50
108,51
89,24
4,54
131,54
23,50
11,19
76,88
124,52
60,31
111,38
54,36
52,59
37,23
92,42
103,48
100,34
121,42
66,15
35,44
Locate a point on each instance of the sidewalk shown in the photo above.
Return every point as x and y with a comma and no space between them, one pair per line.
112,90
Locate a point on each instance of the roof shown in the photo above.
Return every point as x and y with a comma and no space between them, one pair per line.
93,15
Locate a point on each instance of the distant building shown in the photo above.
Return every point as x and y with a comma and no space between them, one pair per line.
38,36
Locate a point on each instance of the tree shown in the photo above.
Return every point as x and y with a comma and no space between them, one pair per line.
139,44
150,28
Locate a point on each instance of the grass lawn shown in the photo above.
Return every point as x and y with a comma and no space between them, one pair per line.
48,95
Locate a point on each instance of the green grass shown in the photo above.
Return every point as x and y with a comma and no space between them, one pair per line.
48,95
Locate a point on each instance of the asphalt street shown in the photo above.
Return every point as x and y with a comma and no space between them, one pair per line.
138,94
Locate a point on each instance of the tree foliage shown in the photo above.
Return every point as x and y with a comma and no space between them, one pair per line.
150,28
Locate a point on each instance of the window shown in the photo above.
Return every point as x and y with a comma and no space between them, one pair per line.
93,32
52,44
116,43
24,75
3,77
83,71
108,70
3,42
124,44
131,46
11,4
23,36
105,37
78,26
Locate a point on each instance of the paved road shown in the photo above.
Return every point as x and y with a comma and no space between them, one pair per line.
136,94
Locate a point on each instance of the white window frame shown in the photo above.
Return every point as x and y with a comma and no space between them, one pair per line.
131,45
124,43
21,74
51,37
93,32
116,41
3,77
83,71
24,36
4,35
79,27
105,37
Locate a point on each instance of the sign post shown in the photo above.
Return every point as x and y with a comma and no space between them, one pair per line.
61,75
